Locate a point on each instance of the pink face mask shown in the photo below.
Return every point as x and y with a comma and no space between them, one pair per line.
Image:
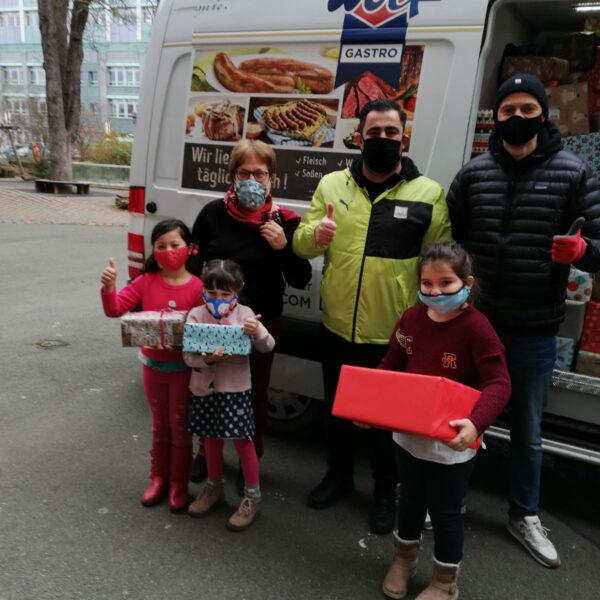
173,259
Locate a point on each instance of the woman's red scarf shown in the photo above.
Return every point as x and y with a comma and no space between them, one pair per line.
255,218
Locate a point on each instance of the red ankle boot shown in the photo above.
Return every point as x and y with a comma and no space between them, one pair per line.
159,475
181,459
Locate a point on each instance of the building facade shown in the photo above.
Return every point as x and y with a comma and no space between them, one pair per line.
116,40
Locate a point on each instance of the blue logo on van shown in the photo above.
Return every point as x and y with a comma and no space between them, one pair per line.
373,37
376,13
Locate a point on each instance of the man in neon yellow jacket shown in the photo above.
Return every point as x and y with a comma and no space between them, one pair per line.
370,222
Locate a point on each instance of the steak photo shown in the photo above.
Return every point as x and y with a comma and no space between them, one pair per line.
223,122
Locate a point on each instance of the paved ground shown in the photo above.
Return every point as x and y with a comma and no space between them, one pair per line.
74,434
20,203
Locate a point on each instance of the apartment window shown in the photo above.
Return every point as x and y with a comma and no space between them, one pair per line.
124,76
122,109
124,16
17,106
32,18
94,108
37,76
10,19
92,77
13,75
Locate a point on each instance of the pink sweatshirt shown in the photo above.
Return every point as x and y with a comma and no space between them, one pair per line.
230,374
150,292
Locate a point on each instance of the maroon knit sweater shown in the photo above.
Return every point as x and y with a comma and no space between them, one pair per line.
465,349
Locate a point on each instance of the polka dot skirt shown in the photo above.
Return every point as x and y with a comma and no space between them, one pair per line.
222,415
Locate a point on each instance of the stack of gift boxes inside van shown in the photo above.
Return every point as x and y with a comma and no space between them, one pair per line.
569,66
578,340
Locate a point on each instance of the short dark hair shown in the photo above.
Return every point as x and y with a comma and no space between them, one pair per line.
451,253
382,105
161,228
222,274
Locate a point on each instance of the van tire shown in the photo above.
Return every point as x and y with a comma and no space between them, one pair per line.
294,416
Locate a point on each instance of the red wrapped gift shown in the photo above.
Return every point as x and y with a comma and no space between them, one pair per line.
420,404
590,340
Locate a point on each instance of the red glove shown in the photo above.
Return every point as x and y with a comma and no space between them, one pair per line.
567,249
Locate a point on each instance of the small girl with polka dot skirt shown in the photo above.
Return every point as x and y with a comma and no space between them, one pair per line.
221,402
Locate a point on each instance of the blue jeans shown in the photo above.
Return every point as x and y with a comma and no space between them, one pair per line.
530,361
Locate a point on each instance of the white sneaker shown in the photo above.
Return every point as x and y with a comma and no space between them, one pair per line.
529,531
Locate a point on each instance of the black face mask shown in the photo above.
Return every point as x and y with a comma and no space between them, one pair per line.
517,130
381,155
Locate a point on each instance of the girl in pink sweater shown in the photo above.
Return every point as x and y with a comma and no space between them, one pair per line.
221,405
164,284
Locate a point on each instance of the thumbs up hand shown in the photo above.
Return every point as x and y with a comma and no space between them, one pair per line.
325,230
569,248
108,278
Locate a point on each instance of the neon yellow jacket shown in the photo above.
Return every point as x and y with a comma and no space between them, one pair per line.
370,268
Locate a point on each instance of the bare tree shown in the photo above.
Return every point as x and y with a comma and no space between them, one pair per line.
62,25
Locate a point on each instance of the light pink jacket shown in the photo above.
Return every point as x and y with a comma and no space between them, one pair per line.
230,374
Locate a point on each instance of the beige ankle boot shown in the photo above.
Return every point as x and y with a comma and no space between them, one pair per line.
403,567
245,515
210,495
443,583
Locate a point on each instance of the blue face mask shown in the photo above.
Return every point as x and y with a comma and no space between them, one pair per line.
445,303
218,307
250,193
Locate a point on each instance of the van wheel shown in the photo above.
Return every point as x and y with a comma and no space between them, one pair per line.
292,415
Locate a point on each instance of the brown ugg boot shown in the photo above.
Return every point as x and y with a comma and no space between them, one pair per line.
159,475
443,583
211,494
403,567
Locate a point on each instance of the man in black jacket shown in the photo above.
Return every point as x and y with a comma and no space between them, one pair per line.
514,208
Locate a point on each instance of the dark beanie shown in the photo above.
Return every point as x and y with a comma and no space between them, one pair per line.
522,82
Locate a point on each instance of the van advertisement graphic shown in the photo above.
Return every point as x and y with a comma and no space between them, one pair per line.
303,99
285,96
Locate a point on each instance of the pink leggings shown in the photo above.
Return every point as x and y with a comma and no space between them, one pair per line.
168,398
214,459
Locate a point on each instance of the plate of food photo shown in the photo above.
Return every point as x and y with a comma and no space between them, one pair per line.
217,121
300,122
271,74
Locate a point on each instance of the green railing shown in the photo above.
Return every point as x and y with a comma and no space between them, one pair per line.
101,173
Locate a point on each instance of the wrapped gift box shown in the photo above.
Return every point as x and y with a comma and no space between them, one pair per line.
590,340
545,68
579,286
578,48
586,147
572,326
588,363
568,108
419,404
565,353
153,327
206,337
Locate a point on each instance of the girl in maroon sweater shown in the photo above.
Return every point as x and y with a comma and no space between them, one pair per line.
443,336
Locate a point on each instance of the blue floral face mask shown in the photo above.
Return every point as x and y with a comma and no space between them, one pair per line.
218,307
445,303
250,193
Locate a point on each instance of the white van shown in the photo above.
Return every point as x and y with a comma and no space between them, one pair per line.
212,76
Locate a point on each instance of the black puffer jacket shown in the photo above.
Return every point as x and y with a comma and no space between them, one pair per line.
506,213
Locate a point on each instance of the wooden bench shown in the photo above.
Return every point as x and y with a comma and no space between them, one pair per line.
50,186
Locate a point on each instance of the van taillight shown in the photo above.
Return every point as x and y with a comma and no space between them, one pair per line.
137,197
135,235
